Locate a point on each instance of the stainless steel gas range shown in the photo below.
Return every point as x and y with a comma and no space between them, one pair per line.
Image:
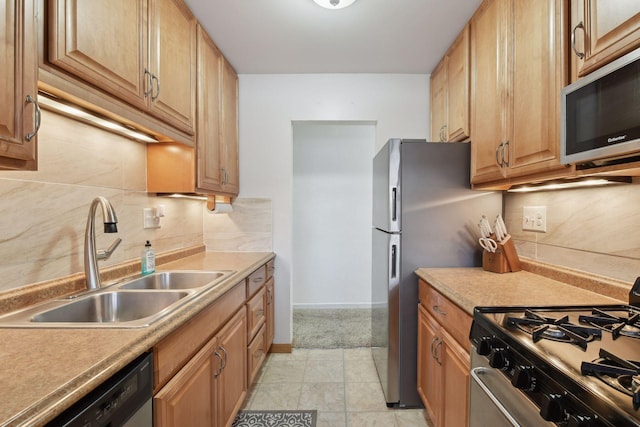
574,366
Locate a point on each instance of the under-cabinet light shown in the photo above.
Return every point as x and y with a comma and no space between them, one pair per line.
81,114
567,184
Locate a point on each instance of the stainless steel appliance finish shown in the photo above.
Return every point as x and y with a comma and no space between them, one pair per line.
601,115
123,400
423,216
559,362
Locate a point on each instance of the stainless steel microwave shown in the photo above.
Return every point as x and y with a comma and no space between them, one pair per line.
601,115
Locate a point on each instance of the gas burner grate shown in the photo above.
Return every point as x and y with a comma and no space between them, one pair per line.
621,374
618,326
560,329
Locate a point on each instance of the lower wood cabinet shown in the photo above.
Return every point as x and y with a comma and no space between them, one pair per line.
202,371
210,389
443,360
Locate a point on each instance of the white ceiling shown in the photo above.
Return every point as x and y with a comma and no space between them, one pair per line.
297,36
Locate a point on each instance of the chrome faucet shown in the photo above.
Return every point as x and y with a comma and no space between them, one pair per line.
91,255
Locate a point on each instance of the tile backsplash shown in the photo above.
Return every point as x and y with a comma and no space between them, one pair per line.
591,229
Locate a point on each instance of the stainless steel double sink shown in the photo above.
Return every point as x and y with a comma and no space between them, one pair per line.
133,303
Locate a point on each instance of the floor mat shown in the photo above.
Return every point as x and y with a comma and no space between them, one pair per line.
276,419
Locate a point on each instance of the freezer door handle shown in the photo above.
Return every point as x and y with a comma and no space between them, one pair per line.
394,204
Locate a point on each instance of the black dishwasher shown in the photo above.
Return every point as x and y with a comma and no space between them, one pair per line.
125,399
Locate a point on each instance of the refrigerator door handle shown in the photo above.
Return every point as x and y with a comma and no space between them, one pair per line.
394,204
394,260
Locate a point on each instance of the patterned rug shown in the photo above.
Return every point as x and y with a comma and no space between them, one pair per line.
275,419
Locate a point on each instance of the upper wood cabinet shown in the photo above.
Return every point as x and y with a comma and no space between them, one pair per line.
212,168
217,138
602,31
518,68
438,101
450,93
19,112
144,55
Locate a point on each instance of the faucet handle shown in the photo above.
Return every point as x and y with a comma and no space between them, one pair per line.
105,254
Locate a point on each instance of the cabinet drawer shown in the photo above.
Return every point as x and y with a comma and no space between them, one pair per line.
177,348
256,353
256,312
256,280
452,318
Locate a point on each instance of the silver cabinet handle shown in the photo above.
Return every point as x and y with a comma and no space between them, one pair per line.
437,356
433,341
505,161
437,310
573,40
155,78
220,367
32,100
149,84
224,363
498,148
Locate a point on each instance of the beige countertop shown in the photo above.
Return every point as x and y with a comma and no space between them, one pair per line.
44,371
471,287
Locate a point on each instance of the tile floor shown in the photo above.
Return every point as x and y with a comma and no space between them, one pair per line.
341,384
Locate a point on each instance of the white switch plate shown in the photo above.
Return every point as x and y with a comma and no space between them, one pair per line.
534,218
150,218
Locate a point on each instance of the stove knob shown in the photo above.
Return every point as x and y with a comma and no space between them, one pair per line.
552,408
484,346
498,358
581,421
523,377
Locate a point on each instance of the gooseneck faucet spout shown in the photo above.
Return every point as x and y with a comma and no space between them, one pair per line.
91,255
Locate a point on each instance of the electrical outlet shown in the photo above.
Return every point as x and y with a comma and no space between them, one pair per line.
534,218
151,219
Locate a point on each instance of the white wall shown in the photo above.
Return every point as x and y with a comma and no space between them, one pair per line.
332,211
398,104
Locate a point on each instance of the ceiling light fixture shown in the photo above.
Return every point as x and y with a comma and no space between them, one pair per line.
334,4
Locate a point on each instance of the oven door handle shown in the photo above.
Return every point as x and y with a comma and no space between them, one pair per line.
476,374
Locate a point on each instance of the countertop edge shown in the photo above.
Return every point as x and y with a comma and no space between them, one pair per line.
49,406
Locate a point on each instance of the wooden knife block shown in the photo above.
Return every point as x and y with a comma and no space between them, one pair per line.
503,260
495,261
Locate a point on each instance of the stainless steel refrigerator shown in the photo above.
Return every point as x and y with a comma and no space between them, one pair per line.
424,215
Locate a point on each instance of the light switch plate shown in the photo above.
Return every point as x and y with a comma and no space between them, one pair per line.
534,218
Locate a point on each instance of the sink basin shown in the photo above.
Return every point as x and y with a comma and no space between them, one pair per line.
110,307
176,280
133,303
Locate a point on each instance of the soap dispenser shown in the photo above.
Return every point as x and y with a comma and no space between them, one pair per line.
148,259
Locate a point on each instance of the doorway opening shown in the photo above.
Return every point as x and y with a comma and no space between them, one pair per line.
331,257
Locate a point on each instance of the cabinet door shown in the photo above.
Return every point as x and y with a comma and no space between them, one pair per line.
458,88
209,105
611,29
538,68
230,170
270,304
455,366
438,92
101,47
190,397
429,372
489,82
232,382
172,61
19,80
